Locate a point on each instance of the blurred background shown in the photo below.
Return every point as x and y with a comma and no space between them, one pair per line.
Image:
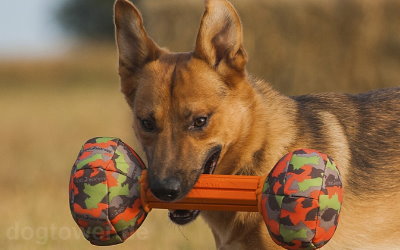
59,87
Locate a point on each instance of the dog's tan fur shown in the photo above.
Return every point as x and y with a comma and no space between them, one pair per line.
256,125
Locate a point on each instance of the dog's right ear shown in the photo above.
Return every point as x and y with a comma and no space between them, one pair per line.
220,38
135,47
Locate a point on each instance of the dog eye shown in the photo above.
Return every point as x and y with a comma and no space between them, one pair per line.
148,125
199,122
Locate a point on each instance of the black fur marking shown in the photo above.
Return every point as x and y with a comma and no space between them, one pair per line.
259,157
372,126
374,147
309,120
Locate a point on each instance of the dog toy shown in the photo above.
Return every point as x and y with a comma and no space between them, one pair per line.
300,199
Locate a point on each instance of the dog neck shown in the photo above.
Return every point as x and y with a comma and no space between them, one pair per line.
266,135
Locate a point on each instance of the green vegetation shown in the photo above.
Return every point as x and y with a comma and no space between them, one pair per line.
89,19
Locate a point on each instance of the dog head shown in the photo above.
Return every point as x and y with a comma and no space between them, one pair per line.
189,108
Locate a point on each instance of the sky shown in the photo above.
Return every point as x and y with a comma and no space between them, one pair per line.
29,28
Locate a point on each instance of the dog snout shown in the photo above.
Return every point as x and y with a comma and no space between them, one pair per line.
167,189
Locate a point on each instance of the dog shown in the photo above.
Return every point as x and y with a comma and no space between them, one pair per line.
200,112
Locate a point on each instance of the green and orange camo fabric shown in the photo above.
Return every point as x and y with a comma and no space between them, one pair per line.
302,199
104,191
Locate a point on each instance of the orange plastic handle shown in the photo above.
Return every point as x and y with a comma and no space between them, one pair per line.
212,192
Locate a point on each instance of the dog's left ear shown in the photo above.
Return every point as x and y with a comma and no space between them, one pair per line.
220,38
135,47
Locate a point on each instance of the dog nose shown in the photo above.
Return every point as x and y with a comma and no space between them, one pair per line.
167,189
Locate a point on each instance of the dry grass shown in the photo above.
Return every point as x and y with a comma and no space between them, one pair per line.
301,46
42,133
50,107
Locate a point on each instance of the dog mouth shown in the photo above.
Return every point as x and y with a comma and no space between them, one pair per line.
212,160
183,217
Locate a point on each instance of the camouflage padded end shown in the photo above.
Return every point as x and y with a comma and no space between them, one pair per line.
104,191
301,200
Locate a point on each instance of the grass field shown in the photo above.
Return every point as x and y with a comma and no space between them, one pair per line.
300,46
42,131
51,106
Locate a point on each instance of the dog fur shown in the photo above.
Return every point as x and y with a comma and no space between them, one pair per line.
256,125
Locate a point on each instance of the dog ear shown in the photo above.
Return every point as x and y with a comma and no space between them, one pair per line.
220,38
135,47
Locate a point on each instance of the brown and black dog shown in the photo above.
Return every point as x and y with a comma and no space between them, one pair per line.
200,112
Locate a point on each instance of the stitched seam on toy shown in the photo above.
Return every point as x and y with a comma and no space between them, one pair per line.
280,210
137,197
108,196
319,195
299,196
108,212
341,204
137,157
118,142
141,165
86,166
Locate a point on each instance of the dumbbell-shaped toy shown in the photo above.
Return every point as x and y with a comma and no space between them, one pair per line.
300,200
